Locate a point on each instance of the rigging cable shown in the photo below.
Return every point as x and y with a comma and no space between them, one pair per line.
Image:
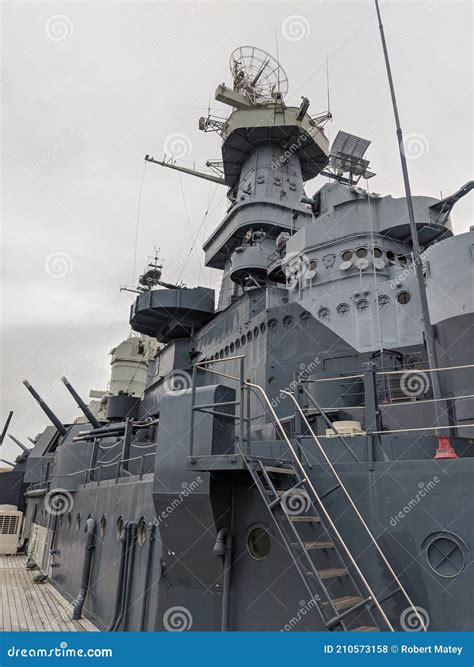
194,239
137,222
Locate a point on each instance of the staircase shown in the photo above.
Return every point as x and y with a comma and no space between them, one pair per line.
343,603
328,569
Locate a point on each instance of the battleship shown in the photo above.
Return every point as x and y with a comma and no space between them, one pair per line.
294,453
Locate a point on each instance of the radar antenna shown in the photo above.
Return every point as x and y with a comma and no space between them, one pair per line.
257,74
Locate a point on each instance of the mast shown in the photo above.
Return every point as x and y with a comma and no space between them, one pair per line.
428,329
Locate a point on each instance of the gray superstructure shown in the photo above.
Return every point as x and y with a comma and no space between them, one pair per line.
283,466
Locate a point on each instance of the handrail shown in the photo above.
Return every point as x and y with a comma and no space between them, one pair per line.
401,372
328,518
354,507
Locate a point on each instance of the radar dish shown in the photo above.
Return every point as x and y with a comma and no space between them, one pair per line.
257,74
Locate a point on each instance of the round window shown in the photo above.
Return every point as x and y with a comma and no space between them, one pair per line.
403,298
258,543
346,256
103,525
361,252
78,521
378,252
390,255
445,556
342,309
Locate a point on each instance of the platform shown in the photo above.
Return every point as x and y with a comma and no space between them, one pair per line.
29,607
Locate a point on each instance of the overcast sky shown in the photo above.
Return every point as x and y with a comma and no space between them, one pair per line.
90,88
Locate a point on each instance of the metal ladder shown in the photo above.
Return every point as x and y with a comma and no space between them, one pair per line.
342,602
329,571
316,546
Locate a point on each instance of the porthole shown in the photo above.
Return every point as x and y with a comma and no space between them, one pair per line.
142,531
378,252
242,340
403,298
78,521
226,351
383,300
69,519
256,332
445,556
221,354
103,525
272,323
346,256
287,321
249,336
258,543
342,309
263,327
305,316
362,306
402,260
231,348
119,527
324,313
361,252
312,264
390,255
271,379
237,344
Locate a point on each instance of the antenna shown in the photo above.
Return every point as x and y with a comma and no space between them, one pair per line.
425,314
257,75
327,85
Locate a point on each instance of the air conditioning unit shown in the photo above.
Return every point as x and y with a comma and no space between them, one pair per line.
10,526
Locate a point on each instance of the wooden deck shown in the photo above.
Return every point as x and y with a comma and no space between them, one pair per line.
29,607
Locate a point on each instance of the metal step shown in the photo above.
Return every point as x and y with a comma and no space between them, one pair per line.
366,628
318,545
281,471
333,573
345,602
304,519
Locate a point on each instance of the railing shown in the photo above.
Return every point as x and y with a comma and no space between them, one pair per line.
244,419
358,514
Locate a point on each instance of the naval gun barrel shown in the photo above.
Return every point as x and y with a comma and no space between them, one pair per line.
45,407
20,444
89,415
5,428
